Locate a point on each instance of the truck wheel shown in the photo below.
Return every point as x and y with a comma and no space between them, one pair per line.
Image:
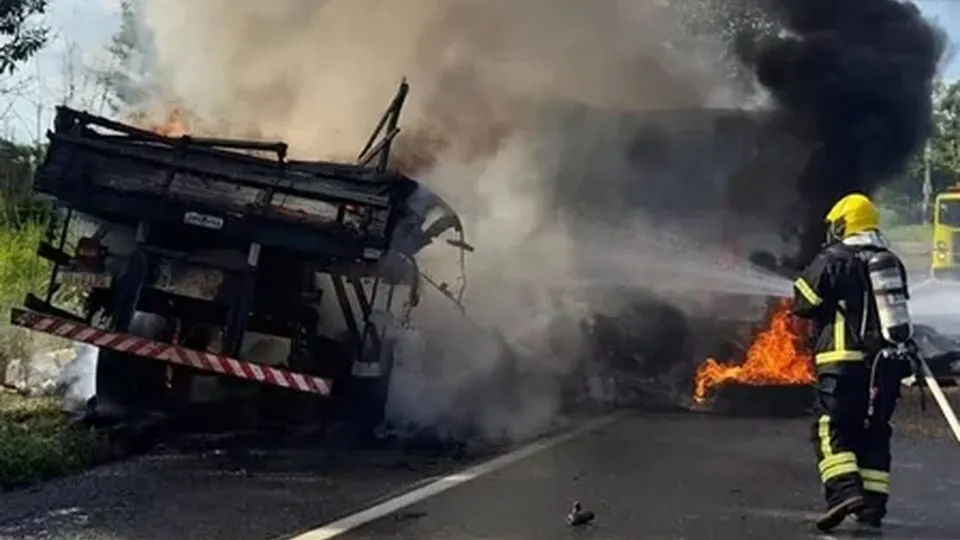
128,387
364,401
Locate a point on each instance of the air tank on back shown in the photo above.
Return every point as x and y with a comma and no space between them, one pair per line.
890,295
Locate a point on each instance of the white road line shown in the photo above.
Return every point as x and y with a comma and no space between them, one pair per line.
348,523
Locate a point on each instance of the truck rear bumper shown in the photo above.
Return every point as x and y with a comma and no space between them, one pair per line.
166,352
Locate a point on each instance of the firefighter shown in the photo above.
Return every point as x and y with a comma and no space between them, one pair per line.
855,294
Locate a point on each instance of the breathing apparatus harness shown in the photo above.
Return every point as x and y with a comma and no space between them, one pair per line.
887,292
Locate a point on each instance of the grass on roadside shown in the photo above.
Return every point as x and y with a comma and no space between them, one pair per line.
21,272
38,443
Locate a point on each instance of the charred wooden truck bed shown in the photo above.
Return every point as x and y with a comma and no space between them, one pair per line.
140,176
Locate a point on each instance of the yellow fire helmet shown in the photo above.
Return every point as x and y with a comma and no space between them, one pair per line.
853,214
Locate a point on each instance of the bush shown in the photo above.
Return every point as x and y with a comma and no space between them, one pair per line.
22,227
21,272
37,442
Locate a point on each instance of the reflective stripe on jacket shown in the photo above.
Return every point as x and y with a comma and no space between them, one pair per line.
834,292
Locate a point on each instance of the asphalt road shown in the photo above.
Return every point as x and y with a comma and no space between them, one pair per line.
669,476
208,497
674,477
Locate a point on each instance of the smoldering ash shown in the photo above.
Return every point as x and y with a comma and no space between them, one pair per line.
851,80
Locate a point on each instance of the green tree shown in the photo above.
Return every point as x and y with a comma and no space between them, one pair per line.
21,35
903,195
945,139
17,164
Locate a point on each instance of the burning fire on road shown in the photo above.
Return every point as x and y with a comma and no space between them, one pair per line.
775,357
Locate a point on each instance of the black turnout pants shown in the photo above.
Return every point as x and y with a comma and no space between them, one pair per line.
852,446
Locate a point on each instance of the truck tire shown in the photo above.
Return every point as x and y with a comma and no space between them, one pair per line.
129,387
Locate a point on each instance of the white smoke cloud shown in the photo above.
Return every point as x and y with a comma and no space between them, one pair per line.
486,76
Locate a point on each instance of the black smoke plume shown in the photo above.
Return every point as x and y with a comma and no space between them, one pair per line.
852,79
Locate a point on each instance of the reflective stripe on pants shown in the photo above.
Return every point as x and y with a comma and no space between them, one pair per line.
875,480
832,463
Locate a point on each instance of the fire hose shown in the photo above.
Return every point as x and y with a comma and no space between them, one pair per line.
931,382
923,376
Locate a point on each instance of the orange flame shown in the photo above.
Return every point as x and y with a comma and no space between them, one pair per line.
776,356
176,123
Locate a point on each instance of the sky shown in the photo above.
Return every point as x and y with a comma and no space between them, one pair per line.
82,29
946,13
80,32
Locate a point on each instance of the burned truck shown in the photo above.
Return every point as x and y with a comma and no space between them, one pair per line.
221,276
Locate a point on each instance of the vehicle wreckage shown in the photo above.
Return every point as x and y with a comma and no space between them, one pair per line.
212,271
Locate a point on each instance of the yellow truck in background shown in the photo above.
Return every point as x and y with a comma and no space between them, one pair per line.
945,262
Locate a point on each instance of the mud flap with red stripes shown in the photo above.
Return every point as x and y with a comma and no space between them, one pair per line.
167,352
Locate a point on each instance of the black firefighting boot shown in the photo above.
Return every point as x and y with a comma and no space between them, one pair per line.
836,513
870,525
869,520
870,517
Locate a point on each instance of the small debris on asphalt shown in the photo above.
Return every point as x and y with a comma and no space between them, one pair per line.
404,516
578,516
